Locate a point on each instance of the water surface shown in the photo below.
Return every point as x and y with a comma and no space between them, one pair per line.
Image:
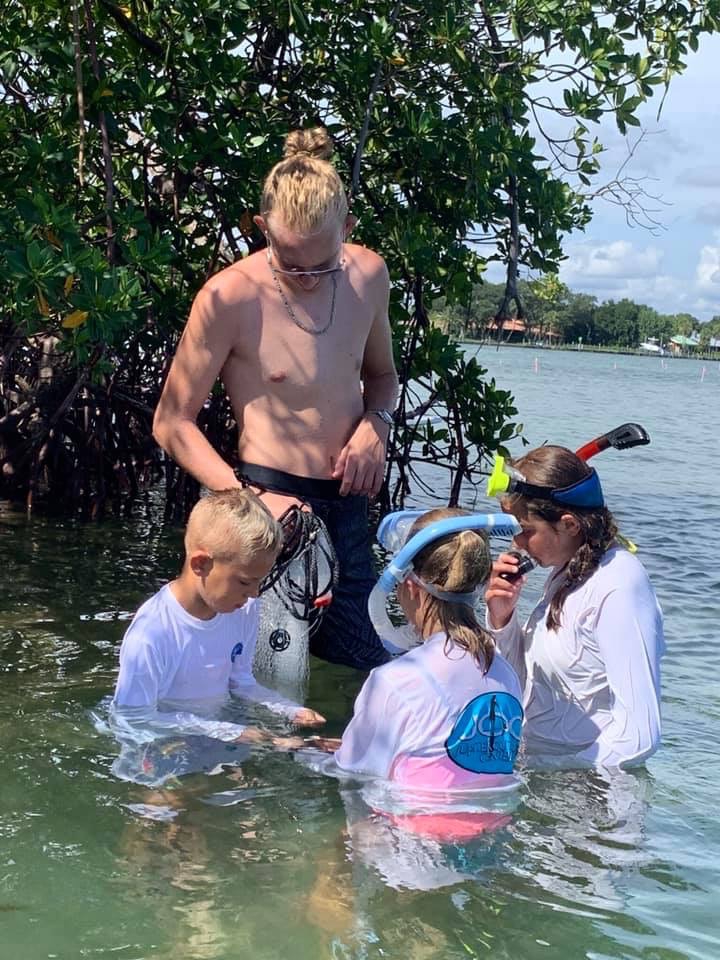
270,861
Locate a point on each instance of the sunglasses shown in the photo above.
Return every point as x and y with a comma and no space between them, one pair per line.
294,272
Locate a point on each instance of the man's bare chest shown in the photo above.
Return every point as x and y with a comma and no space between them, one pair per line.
303,348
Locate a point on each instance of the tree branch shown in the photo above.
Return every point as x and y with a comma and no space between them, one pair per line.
365,129
132,30
79,92
107,153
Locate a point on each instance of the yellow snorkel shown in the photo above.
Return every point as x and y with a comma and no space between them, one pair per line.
499,479
628,544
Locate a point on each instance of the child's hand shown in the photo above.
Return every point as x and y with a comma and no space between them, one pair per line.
328,744
501,596
289,743
308,718
253,735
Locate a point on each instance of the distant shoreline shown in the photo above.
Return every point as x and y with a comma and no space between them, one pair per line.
592,348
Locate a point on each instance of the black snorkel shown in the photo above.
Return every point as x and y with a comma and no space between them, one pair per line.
621,438
624,437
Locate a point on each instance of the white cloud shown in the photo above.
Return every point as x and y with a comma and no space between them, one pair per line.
704,177
708,213
618,269
704,309
708,270
677,269
610,262
663,292
645,154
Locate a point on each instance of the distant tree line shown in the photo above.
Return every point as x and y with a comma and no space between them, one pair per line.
553,311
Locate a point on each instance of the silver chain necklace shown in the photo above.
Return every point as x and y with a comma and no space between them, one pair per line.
291,313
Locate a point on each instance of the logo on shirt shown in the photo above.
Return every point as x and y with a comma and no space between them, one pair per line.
486,736
279,640
236,651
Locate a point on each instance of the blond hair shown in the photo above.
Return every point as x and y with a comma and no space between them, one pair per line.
456,563
303,190
230,524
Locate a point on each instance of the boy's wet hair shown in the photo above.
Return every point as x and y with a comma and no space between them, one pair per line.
458,562
303,191
231,522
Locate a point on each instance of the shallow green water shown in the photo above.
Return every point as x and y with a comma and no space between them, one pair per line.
586,868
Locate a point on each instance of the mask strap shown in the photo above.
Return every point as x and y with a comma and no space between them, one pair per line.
469,599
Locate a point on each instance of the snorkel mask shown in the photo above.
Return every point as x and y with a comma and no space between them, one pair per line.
585,492
393,536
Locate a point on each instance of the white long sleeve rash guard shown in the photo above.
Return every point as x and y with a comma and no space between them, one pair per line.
177,671
591,687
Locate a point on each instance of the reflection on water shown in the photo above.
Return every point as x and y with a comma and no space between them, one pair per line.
270,860
581,833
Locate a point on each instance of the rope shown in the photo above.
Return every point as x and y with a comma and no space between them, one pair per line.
295,577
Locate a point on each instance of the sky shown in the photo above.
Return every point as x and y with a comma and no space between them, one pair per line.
675,269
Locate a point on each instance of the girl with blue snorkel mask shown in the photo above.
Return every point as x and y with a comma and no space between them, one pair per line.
589,653
446,715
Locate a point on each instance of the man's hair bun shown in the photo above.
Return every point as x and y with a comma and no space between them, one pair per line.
314,142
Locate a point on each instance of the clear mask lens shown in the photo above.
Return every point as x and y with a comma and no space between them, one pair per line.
394,529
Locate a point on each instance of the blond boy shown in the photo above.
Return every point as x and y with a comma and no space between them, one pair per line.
191,645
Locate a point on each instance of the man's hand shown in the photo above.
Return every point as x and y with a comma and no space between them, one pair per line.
308,718
361,464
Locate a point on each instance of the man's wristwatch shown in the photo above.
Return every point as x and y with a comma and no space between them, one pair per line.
384,415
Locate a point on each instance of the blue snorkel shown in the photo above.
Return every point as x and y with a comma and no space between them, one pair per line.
392,534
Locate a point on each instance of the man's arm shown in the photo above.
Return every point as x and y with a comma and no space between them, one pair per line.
361,464
201,354
380,379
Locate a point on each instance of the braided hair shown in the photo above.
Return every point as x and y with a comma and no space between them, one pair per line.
551,466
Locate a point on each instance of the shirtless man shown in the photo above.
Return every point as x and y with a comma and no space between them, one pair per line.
299,335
